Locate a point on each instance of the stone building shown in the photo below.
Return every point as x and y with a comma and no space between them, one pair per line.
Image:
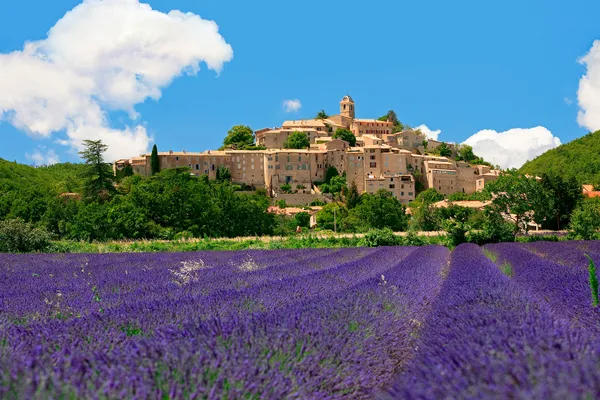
381,159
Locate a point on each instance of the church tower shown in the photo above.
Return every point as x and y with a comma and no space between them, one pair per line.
347,107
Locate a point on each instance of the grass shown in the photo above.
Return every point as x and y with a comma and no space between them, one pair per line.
507,269
491,255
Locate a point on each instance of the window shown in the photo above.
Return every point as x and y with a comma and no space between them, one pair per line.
288,158
410,193
197,167
372,157
373,165
401,193
299,158
276,158
392,186
176,158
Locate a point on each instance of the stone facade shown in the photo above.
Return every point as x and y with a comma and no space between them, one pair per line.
381,159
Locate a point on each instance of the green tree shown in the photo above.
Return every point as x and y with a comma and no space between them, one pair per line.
465,153
429,196
223,174
585,220
444,150
98,174
332,216
520,199
382,210
154,161
286,188
238,137
330,173
346,135
566,193
302,219
322,115
352,196
297,140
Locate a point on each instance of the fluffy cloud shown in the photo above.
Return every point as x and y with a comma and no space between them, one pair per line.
512,148
43,156
292,105
104,55
588,94
428,132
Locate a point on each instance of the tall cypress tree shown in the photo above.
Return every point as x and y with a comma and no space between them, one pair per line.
154,161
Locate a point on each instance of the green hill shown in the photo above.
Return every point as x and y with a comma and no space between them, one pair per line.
579,158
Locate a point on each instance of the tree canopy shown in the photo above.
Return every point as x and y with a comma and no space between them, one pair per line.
520,199
321,115
239,137
154,161
345,134
98,174
297,140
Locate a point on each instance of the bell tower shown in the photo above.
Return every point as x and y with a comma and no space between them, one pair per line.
347,107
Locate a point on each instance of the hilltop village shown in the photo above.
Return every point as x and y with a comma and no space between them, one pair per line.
376,157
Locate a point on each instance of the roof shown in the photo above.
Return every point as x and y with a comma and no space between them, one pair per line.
372,120
304,122
588,188
347,98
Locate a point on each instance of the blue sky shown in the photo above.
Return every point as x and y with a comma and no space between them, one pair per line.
460,67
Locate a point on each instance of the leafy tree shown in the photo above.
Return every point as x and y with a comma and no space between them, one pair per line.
239,136
566,193
322,115
382,210
352,196
336,185
392,117
429,196
444,150
302,219
223,174
18,236
346,135
297,140
330,173
332,216
520,199
465,153
585,220
286,188
154,161
98,174
456,222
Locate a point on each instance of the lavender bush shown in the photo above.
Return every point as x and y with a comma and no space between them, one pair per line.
357,323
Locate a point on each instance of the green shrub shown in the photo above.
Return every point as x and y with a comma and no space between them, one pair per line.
585,220
380,237
183,235
17,236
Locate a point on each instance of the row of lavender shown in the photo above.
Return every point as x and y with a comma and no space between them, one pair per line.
302,324
330,324
496,336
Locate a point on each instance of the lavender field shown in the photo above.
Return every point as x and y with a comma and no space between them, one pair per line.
503,321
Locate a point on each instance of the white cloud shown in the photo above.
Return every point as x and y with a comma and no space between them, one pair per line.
568,101
292,105
43,156
588,94
428,132
512,148
104,55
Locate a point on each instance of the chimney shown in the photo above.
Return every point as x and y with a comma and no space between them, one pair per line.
170,151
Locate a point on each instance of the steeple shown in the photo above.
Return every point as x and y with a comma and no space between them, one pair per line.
347,107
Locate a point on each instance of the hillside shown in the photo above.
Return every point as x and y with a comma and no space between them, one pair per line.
64,177
579,158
